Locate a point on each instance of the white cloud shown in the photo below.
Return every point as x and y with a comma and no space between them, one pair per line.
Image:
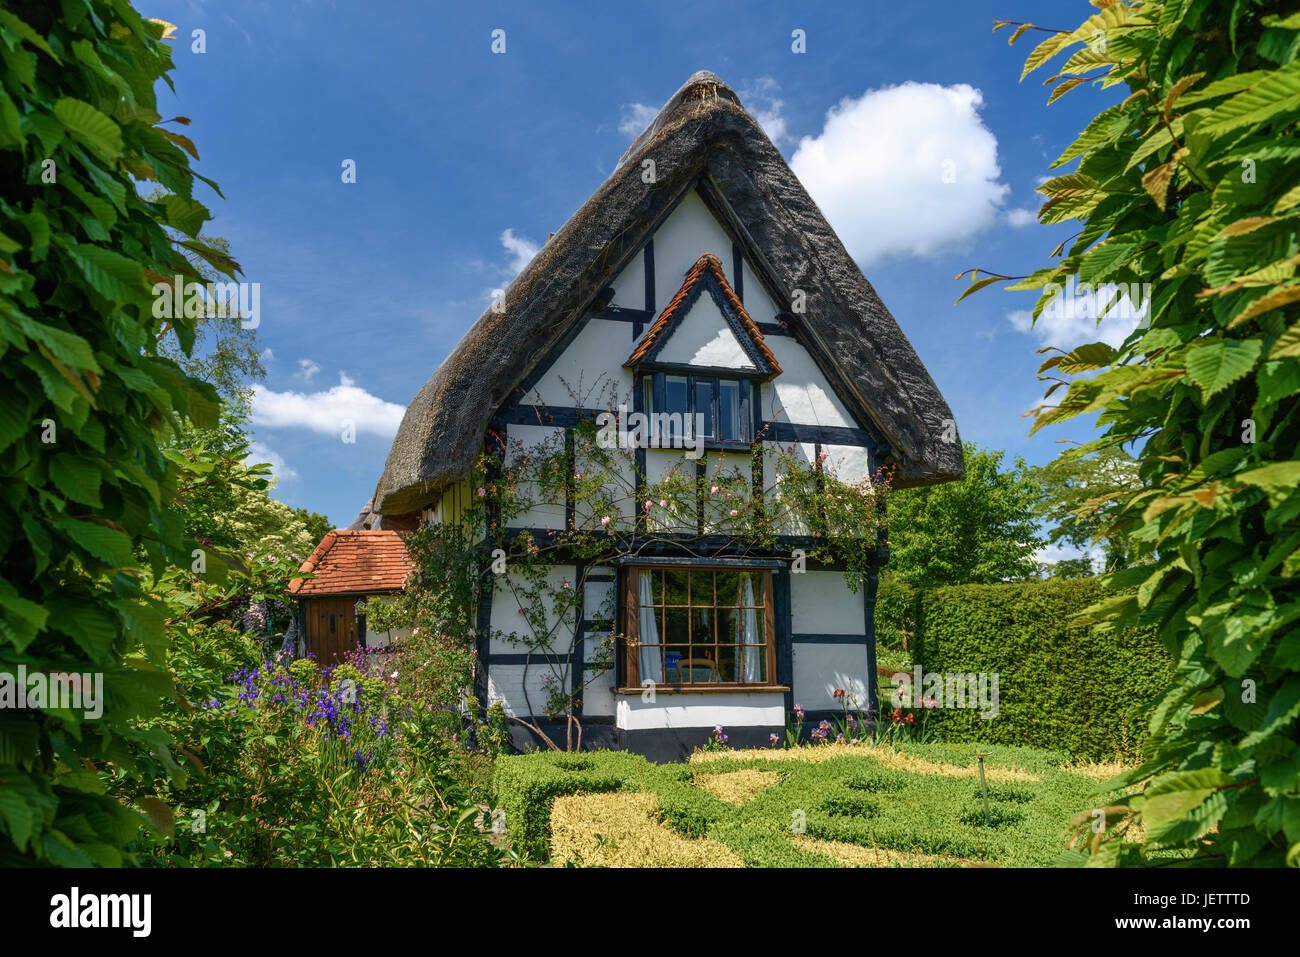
1071,320
1021,217
761,100
259,453
636,117
521,251
307,369
328,412
267,354
1051,554
879,165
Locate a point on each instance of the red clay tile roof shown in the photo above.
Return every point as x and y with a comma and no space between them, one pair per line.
711,263
352,562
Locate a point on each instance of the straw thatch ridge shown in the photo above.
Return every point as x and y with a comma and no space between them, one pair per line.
702,132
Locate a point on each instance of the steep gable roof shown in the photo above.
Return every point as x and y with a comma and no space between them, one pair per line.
355,562
701,139
707,273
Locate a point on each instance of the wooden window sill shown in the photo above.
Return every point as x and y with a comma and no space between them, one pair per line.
707,689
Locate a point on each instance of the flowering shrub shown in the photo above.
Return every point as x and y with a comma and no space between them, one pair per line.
307,766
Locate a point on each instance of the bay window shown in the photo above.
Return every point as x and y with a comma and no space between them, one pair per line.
699,627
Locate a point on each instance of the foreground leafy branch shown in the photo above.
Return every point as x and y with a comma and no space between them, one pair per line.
1189,196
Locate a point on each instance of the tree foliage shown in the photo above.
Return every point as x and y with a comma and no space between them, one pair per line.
1079,503
978,530
1192,185
87,493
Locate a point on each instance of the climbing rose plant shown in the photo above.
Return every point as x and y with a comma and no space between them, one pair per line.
1191,184
499,538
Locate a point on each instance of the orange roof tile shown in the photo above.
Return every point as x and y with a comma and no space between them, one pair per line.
350,562
711,263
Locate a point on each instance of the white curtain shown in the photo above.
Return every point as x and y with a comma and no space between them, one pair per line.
749,661
649,662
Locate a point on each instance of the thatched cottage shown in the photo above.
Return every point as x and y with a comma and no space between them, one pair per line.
699,277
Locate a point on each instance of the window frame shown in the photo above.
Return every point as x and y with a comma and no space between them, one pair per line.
629,608
650,389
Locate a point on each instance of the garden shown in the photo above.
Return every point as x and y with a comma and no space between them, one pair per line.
1149,705
896,804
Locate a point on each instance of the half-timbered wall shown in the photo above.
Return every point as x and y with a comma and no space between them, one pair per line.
826,626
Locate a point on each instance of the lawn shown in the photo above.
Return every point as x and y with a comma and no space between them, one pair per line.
913,805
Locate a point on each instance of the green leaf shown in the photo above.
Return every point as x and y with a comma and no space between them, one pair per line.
187,215
83,120
1216,365
1094,355
112,275
106,544
92,628
76,477
19,817
1273,97
1279,474
976,287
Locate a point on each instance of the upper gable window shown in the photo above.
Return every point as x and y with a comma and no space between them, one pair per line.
721,404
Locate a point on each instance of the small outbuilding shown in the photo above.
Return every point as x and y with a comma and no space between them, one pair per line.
346,568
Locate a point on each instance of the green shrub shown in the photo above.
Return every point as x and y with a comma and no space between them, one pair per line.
527,784
925,802
1074,688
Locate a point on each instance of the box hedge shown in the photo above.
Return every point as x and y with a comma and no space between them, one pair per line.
921,806
526,785
1078,689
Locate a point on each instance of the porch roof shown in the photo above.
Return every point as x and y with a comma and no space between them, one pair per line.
350,562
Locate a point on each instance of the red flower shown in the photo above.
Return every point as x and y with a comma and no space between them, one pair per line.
839,693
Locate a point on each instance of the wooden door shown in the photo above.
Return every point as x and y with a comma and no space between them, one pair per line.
331,628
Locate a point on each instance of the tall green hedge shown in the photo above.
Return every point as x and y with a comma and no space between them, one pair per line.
1072,688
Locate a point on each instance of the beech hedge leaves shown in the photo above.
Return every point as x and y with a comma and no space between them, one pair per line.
86,497
1192,184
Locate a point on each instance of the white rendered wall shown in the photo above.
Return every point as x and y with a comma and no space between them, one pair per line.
507,596
700,710
820,669
589,373
629,285
703,338
688,233
599,600
821,604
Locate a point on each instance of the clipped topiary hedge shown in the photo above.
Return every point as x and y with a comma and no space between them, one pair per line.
814,806
526,785
1077,689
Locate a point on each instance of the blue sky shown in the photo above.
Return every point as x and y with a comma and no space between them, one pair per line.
465,160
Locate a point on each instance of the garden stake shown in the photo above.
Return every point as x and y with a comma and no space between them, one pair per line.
984,788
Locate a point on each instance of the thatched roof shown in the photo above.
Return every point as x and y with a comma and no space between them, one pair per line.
702,134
